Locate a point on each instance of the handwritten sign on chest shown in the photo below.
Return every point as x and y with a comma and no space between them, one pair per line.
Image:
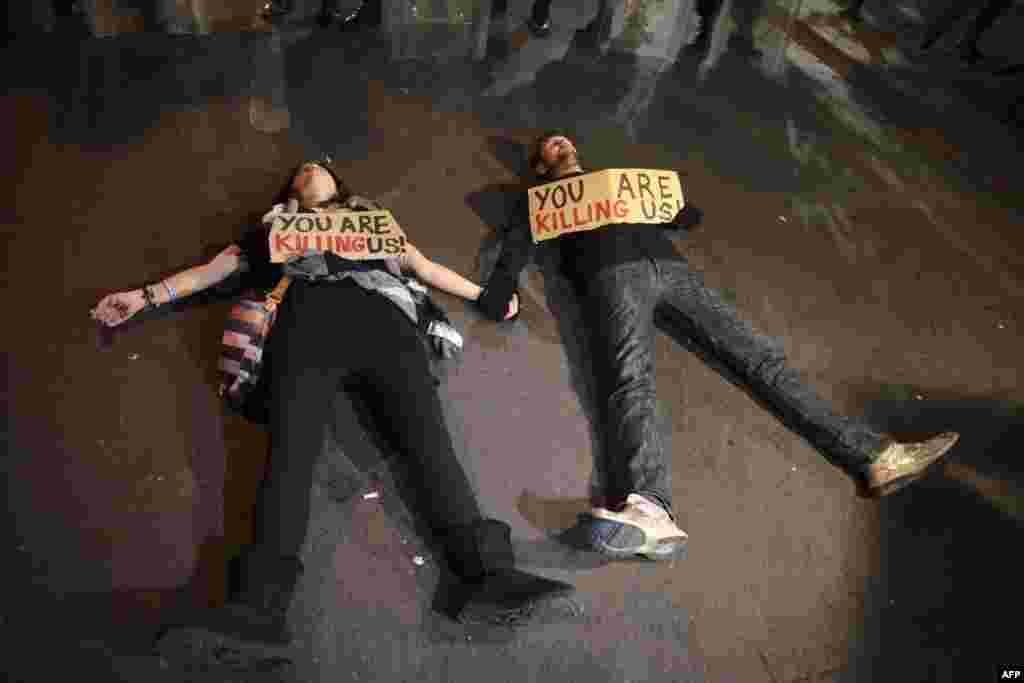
356,235
593,200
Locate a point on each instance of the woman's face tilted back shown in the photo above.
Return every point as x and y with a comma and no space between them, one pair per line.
313,185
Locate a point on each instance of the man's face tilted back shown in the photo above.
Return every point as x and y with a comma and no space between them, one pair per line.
558,156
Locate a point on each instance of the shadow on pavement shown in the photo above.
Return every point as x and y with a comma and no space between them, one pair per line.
946,581
112,91
556,296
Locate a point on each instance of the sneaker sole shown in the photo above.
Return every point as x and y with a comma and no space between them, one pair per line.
654,547
894,485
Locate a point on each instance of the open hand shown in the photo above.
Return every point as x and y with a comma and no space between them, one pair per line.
114,309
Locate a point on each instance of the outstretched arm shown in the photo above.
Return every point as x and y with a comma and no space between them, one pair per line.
114,309
439,277
517,246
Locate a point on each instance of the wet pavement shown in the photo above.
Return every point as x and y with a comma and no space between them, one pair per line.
859,203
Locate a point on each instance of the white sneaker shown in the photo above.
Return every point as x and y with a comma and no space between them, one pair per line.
642,527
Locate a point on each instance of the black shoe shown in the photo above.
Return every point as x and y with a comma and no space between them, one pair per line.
275,9
367,16
330,17
539,30
510,597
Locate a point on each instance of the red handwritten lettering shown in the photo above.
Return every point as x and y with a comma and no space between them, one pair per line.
621,209
542,225
576,219
283,242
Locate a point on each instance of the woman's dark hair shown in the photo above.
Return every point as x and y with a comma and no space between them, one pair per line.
287,193
537,166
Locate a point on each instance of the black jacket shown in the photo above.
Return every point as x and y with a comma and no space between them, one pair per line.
580,255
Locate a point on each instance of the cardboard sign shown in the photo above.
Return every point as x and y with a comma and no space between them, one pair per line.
356,235
593,200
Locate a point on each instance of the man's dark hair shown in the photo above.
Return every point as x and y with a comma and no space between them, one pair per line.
537,166
287,193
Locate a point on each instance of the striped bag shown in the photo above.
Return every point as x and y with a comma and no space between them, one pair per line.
241,357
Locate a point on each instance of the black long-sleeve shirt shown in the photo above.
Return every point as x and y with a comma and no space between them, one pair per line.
580,255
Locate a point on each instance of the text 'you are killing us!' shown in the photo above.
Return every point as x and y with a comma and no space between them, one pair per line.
593,200
362,235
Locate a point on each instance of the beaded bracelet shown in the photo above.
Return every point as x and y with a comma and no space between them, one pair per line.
148,296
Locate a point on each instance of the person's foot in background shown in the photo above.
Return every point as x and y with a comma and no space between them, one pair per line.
539,30
368,15
539,21
276,9
330,15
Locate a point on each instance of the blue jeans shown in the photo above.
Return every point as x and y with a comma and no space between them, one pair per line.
619,307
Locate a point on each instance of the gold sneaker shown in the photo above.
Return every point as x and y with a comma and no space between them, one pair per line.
642,527
904,463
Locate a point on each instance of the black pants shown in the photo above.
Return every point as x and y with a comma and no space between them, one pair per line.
619,306
541,12
329,334
744,12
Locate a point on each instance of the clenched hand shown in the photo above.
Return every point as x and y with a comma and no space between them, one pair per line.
513,306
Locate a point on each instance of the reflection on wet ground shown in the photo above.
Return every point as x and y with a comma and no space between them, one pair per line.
851,185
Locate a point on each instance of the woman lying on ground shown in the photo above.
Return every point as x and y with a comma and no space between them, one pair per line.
340,321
